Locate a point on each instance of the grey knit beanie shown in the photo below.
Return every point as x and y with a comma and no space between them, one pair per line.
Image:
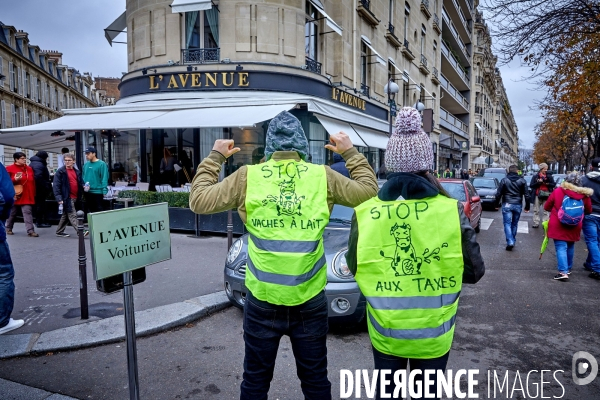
409,148
574,178
285,133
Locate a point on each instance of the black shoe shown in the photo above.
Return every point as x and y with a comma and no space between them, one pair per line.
595,275
535,226
587,268
62,234
509,247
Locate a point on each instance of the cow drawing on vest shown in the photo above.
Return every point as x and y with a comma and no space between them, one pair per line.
288,202
405,255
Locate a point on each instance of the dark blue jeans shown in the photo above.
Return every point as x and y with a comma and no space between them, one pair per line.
306,325
7,285
393,363
591,232
510,215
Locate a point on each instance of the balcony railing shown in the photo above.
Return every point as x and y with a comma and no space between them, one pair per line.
462,17
366,3
425,3
452,120
364,89
391,28
455,63
478,110
454,92
436,19
313,66
461,44
423,60
200,56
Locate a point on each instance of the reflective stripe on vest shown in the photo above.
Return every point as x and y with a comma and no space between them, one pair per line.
285,246
423,333
287,280
405,303
287,211
410,267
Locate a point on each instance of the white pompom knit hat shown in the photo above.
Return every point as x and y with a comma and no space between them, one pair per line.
409,148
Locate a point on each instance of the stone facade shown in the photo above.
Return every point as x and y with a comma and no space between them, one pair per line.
36,86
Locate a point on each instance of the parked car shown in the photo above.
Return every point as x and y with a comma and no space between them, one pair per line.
345,302
558,178
487,188
498,173
464,192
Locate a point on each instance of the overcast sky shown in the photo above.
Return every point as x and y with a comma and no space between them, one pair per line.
76,28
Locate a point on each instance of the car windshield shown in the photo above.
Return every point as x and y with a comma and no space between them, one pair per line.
497,175
455,190
484,183
341,214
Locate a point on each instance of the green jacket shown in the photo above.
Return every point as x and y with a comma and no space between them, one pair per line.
96,173
208,196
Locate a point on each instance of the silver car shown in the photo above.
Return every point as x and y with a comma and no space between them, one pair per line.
345,302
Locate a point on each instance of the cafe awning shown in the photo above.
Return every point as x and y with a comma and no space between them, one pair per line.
181,6
118,25
333,126
372,138
374,52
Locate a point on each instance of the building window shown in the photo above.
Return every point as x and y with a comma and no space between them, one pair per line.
26,84
202,29
14,112
406,18
311,32
27,113
423,33
86,91
19,81
2,72
3,114
11,76
392,4
364,66
434,54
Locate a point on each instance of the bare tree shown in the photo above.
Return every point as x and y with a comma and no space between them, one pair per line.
532,29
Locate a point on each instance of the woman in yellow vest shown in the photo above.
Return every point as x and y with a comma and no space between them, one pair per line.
415,249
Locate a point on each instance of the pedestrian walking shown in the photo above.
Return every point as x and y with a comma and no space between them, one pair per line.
285,204
512,191
68,189
23,180
591,222
7,271
412,326
43,186
95,176
562,231
542,184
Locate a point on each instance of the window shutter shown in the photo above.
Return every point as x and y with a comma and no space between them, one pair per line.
11,78
13,117
3,111
2,71
21,116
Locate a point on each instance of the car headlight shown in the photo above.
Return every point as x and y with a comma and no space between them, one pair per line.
340,266
234,251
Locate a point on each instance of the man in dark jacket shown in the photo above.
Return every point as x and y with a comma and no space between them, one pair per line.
512,190
68,188
339,165
42,187
7,271
591,222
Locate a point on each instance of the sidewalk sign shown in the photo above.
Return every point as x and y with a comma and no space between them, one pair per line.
122,241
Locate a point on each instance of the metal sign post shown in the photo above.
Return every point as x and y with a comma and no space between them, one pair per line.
83,295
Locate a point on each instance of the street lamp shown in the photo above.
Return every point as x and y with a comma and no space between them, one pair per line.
419,106
391,88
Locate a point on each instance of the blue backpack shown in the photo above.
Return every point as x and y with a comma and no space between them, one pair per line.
571,211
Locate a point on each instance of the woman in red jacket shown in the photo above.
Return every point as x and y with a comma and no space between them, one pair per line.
564,235
22,174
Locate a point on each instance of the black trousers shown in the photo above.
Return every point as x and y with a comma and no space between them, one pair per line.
94,202
39,210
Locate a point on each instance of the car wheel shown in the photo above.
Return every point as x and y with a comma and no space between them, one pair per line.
478,227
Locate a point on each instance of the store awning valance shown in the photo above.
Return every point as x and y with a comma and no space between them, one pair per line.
372,138
333,126
330,22
44,136
181,6
374,52
118,26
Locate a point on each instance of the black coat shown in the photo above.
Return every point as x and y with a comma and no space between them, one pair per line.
62,189
534,185
41,174
513,189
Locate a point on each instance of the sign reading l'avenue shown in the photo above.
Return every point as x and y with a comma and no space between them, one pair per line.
199,80
348,99
129,238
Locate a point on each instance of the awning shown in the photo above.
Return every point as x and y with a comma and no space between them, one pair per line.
380,59
181,6
372,138
39,137
330,22
333,126
478,126
118,26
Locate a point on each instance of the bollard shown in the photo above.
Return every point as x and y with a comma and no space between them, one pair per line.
83,296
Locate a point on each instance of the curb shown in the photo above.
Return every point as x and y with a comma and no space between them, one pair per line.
110,330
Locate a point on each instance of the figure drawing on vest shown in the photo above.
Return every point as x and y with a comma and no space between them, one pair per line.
285,204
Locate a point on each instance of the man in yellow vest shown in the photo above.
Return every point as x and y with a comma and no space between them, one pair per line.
285,204
415,249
